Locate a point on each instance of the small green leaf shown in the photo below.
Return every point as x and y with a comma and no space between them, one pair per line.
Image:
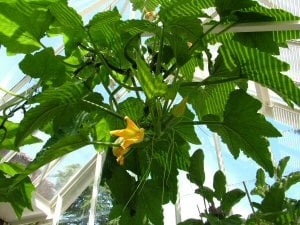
191,222
273,202
231,220
44,65
292,179
260,185
231,198
244,129
152,86
219,184
281,166
196,170
8,142
206,193
11,168
19,196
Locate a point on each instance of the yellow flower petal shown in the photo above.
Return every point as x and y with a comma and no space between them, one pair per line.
132,134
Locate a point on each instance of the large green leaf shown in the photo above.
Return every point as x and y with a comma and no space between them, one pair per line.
152,86
22,25
150,200
196,170
186,132
121,185
210,99
66,16
67,23
171,10
132,107
242,128
104,29
188,69
263,41
164,171
62,147
44,65
145,4
135,27
261,67
226,7
52,103
264,12
273,202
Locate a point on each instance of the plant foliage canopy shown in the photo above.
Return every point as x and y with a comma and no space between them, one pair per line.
154,59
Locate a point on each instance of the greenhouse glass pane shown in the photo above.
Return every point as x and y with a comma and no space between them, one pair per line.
78,212
64,171
191,203
103,207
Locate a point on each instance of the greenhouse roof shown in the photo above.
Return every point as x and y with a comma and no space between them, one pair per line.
53,196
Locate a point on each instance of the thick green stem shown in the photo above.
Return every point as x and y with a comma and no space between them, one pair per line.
160,52
195,123
209,82
107,67
105,109
12,93
112,101
105,143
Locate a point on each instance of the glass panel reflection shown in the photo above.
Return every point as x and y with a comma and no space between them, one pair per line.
65,171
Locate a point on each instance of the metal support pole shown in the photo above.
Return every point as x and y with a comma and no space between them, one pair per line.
57,211
178,209
98,172
219,152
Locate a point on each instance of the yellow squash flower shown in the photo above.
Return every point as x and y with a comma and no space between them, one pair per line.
132,134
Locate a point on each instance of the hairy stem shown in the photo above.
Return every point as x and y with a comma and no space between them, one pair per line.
105,109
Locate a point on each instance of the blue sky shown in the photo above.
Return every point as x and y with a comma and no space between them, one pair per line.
237,171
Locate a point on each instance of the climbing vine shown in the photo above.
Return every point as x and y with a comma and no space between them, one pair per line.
153,60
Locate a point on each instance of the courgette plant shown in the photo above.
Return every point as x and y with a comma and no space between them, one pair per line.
77,96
